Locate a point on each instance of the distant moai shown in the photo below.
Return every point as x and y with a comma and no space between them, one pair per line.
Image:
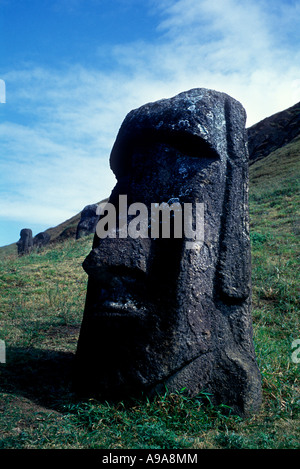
25,242
41,239
159,312
88,221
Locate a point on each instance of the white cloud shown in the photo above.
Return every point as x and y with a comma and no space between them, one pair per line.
57,154
227,45
234,47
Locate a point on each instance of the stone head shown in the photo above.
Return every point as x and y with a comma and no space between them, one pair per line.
158,301
25,242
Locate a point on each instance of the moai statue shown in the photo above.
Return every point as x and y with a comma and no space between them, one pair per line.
172,311
41,239
88,221
25,242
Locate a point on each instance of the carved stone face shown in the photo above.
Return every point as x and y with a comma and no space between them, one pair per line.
159,313
25,242
147,311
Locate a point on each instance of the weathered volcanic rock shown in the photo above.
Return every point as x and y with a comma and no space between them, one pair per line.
41,239
88,221
25,242
162,312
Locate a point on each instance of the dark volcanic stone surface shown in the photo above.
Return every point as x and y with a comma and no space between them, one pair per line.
25,242
88,221
41,239
273,132
159,313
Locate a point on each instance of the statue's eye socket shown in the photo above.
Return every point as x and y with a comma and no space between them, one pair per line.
185,143
182,142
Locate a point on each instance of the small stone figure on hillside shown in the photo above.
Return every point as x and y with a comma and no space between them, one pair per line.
41,239
88,221
25,242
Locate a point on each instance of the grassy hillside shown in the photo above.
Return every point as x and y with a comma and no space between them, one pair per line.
61,232
42,301
66,229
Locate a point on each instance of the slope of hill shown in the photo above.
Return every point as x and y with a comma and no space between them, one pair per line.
273,132
64,230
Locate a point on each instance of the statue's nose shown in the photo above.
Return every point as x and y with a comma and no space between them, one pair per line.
113,254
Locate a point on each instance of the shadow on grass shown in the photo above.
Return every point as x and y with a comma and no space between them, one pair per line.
42,376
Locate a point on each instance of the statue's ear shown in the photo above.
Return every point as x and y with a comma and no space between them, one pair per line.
234,268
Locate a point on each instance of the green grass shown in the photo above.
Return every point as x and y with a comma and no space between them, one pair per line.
42,302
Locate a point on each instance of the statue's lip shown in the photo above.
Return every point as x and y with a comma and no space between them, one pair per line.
122,309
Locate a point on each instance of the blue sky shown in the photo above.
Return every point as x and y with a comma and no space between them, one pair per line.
73,69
